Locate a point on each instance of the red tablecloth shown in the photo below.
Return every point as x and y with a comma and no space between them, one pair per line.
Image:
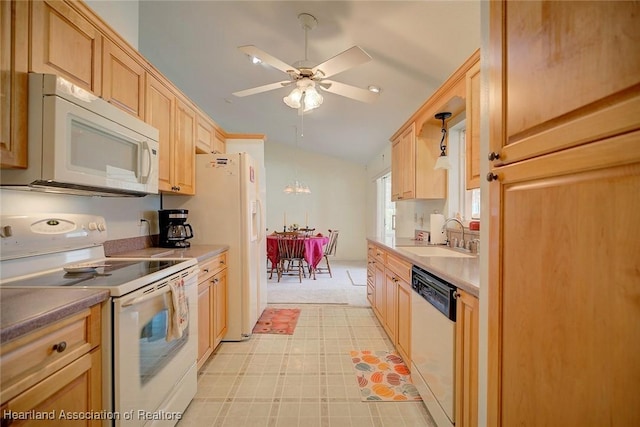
313,249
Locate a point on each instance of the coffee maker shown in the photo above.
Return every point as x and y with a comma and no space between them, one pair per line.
174,231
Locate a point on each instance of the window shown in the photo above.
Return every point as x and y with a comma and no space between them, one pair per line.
460,200
386,208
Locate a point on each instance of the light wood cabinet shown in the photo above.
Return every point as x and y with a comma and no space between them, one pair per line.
416,145
55,368
205,135
563,341
389,278
404,321
160,113
219,142
123,80
14,66
472,134
65,43
184,159
212,305
467,335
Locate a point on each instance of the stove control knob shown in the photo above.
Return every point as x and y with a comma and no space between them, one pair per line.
6,231
93,226
102,226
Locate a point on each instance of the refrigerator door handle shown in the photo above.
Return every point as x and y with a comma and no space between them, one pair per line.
260,225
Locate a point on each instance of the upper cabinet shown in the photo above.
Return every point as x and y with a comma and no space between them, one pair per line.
472,135
65,43
574,85
14,63
416,145
123,80
184,151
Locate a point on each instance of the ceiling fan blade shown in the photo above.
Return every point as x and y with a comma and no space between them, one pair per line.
261,89
251,50
348,91
342,61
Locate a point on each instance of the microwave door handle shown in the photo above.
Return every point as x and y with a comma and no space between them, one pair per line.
145,148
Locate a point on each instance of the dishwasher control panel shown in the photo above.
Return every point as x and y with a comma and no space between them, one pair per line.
439,293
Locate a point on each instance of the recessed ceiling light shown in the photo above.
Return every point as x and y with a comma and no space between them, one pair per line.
374,89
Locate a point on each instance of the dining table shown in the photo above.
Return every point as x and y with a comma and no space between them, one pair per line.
313,249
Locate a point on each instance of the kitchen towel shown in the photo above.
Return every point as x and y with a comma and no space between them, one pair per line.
438,237
178,310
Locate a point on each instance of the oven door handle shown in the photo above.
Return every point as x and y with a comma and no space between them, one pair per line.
157,292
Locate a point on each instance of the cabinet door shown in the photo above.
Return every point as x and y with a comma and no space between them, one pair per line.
390,303
123,80
472,135
564,341
220,307
408,163
396,169
185,150
466,400
404,321
65,43
205,321
205,135
219,142
14,63
380,307
578,81
75,389
160,113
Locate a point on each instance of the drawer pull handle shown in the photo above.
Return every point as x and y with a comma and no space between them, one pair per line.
60,347
206,270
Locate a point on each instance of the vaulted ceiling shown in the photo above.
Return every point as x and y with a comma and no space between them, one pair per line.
415,46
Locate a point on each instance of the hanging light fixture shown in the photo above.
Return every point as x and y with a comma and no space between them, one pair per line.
443,161
297,186
305,94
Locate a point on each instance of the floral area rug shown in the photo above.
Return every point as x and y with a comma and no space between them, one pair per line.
383,376
277,321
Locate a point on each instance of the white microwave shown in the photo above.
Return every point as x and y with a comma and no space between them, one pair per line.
80,144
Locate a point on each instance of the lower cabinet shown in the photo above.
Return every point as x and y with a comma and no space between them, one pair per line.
467,309
389,291
212,305
55,369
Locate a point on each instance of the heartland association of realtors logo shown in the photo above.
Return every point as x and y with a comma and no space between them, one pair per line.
61,414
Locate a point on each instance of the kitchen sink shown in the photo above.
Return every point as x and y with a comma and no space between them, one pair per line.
435,251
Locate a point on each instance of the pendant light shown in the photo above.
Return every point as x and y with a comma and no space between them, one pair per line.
297,186
443,161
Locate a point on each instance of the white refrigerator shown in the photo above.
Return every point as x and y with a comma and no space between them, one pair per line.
227,209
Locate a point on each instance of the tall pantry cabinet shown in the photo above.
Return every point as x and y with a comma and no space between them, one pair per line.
564,251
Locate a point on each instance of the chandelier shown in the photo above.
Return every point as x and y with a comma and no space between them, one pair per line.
296,186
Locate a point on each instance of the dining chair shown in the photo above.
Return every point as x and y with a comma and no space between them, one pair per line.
329,250
291,253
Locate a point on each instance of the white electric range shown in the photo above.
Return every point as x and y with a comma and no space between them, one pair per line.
149,371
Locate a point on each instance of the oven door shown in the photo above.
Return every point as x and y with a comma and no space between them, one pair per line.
149,370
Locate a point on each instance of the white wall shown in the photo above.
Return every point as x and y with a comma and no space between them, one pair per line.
121,15
337,199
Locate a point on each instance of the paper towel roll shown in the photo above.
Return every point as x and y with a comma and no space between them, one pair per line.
438,237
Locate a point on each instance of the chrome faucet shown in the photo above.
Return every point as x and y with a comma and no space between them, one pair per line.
444,226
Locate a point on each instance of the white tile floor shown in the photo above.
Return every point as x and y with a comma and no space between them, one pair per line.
305,379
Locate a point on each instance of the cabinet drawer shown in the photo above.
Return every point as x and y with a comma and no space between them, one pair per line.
399,267
379,254
32,357
212,266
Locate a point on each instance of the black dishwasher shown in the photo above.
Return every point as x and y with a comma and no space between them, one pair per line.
437,292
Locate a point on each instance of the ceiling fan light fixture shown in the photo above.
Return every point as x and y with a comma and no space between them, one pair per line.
294,98
374,89
256,60
312,99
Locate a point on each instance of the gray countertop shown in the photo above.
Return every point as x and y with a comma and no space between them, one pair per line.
200,252
461,272
25,310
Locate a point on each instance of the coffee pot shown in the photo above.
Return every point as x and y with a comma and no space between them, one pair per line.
174,231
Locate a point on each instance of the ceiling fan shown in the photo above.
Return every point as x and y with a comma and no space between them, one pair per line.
307,78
